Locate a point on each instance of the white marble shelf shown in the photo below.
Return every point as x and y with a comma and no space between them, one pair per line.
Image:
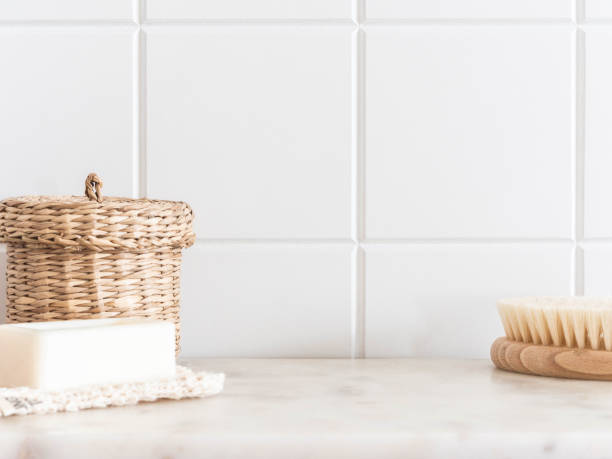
340,408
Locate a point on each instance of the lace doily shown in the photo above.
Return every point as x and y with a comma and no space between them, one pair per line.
186,384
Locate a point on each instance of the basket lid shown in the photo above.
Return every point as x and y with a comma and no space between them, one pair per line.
92,222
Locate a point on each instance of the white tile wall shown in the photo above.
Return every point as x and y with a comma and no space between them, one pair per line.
259,153
267,300
368,175
598,9
436,299
460,128
597,269
66,108
598,135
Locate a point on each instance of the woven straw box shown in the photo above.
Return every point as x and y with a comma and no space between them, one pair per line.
73,257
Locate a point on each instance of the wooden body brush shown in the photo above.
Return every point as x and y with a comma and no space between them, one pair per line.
563,337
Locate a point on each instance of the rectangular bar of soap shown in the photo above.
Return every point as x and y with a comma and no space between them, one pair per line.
72,353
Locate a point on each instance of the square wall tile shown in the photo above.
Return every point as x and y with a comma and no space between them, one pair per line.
277,300
65,10
469,132
252,126
440,300
66,109
598,135
248,9
597,269
597,9
469,9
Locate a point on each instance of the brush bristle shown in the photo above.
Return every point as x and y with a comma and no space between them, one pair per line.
559,321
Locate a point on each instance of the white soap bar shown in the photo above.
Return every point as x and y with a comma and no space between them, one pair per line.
72,353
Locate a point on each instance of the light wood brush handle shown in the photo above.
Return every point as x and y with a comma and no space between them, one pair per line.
555,361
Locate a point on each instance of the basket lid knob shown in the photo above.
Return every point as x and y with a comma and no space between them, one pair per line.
93,187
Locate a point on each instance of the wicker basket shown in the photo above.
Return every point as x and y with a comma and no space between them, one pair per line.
72,257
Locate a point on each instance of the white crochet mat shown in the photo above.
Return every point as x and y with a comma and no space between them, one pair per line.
186,384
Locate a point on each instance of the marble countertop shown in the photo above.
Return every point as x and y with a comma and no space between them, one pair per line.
340,408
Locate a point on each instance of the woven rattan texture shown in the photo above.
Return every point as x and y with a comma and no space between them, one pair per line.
55,284
77,223
72,257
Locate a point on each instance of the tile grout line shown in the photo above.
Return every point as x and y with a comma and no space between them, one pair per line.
579,150
140,152
355,127
465,240
280,241
361,185
492,21
357,19
269,22
383,242
359,291
143,189
120,23
136,100
579,11
354,267
357,185
401,242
